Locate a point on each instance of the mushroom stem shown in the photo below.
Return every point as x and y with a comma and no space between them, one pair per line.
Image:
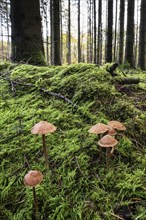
112,151
100,149
100,152
35,202
45,151
107,156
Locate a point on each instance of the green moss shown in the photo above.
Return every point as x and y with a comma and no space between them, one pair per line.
4,65
77,185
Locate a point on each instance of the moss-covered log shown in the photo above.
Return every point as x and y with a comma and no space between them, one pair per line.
124,81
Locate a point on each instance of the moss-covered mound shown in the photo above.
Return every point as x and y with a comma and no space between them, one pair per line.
77,186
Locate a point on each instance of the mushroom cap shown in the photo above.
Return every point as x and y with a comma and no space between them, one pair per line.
111,131
98,128
43,127
33,178
107,141
117,125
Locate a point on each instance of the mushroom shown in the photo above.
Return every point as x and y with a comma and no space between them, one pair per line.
111,131
117,125
32,179
99,129
43,128
108,141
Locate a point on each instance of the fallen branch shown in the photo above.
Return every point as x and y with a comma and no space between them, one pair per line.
80,168
125,81
117,216
13,83
59,96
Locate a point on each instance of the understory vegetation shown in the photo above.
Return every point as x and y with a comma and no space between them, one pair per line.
77,186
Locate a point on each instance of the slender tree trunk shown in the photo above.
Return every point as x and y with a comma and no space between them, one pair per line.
79,32
89,34
115,37
8,30
136,38
130,33
69,35
47,35
109,32
51,32
2,41
27,43
94,41
56,43
121,35
61,34
99,47
142,40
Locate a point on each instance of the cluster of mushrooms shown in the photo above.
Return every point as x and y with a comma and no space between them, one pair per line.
35,177
107,141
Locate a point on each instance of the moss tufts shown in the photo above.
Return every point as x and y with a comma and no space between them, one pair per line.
78,185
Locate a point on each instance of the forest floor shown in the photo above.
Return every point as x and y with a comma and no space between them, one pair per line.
78,185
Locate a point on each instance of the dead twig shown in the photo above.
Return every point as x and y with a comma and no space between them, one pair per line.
79,167
117,216
59,95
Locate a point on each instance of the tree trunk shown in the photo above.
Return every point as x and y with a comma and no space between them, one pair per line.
94,41
61,34
142,40
121,35
115,37
27,43
79,32
69,35
89,34
56,53
109,32
99,47
130,33
51,32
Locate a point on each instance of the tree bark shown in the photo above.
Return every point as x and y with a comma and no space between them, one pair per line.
142,40
69,35
115,34
99,47
130,33
89,33
56,53
121,35
79,31
27,43
109,32
94,41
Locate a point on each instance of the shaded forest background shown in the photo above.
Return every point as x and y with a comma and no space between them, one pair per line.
85,31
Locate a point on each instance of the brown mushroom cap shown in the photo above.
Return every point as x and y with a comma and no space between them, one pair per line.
33,178
117,125
107,141
98,128
111,131
43,127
